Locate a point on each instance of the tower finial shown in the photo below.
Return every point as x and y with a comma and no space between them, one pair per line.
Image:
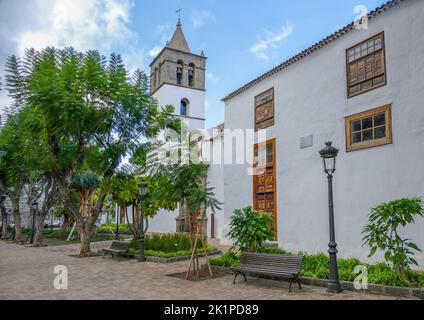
179,16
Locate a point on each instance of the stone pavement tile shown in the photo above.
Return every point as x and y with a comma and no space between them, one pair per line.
29,275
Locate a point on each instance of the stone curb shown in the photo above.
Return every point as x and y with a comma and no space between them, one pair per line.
349,286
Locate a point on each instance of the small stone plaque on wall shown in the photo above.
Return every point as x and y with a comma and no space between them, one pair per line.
306,141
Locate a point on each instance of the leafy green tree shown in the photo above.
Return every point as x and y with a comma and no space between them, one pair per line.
124,190
22,138
382,232
250,228
83,103
185,185
12,170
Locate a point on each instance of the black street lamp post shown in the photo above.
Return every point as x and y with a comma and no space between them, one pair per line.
143,193
34,215
329,155
117,224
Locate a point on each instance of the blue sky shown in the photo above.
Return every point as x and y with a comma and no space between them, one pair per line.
242,38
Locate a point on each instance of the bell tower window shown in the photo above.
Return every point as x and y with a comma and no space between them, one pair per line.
180,66
184,108
191,75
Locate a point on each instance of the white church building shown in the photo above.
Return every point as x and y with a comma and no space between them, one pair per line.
361,88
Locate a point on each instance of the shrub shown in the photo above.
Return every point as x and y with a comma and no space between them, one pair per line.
172,242
388,278
347,275
421,280
229,259
322,273
272,251
313,263
162,254
317,266
110,227
379,267
382,232
416,278
250,228
62,233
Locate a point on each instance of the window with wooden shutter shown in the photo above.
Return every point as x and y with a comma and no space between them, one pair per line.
369,129
264,110
264,180
366,66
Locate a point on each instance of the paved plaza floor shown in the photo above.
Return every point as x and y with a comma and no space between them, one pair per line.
27,273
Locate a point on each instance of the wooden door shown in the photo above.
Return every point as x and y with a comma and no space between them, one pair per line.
264,180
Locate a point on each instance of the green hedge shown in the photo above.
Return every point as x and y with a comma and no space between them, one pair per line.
110,227
229,260
162,254
316,266
172,242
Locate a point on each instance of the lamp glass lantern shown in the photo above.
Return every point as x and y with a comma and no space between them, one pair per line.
329,155
143,189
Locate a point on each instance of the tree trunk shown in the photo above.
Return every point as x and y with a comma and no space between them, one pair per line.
3,220
85,232
19,237
49,196
39,233
67,222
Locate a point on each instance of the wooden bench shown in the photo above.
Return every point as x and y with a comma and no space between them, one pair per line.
117,249
274,265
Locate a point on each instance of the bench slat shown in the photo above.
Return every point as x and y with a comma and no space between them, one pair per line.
267,272
269,268
270,264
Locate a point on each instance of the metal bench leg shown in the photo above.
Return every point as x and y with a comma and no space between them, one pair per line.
290,286
294,278
235,276
298,282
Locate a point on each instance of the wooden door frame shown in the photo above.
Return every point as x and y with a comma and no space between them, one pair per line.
274,165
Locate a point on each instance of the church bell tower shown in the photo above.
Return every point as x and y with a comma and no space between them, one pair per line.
177,78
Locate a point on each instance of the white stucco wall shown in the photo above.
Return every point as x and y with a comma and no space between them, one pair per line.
172,95
216,180
164,221
310,98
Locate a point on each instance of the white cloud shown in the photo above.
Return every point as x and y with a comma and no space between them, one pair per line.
83,24
210,76
155,51
271,40
135,59
200,18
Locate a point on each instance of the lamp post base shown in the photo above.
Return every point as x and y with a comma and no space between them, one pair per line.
334,287
141,257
